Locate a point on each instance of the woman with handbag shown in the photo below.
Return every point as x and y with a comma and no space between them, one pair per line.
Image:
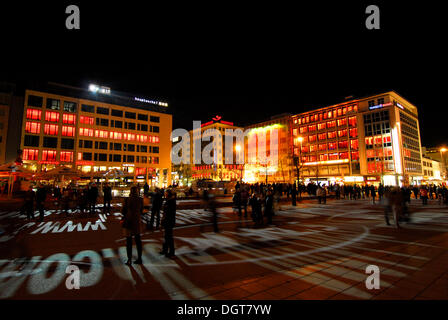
132,213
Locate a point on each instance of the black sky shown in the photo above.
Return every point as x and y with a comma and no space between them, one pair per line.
244,63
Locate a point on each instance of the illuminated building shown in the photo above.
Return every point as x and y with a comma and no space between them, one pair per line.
371,139
220,169
439,156
257,170
96,130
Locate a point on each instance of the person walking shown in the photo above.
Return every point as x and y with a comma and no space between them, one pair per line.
41,196
424,195
373,193
168,223
132,213
107,198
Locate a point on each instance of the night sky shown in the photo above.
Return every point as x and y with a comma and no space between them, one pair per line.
243,63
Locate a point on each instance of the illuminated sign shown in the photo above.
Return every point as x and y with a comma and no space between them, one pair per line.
158,103
48,162
96,88
140,177
217,119
379,106
128,164
399,105
85,163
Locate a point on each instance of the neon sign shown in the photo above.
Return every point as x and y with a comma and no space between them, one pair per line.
159,103
379,106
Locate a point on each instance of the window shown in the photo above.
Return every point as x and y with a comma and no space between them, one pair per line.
50,142
322,147
88,144
143,149
129,136
143,117
70,106
86,120
100,110
116,113
67,144
130,159
342,122
116,158
154,129
332,146
130,115
154,119
303,129
30,154
118,124
102,134
322,136
53,104
32,127
87,108
342,133
312,128
353,132
35,101
102,122
51,129
143,127
355,155
31,141
86,132
116,135
69,118
102,145
331,124
381,101
354,144
156,160
144,159
352,121
333,156
68,131
33,114
343,144
312,138
129,125
66,156
155,139
87,156
155,149
49,155
52,116
102,156
321,126
117,146
343,155
332,135
323,157
371,103
142,138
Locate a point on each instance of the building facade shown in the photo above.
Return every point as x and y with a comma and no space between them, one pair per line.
95,131
369,140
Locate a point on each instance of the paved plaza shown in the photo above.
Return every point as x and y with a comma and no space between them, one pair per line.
310,251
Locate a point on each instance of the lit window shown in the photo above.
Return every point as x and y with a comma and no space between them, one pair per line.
101,134
302,129
354,144
322,136
52,116
342,122
32,127
69,118
355,155
313,148
51,129
332,146
33,114
66,156
116,135
331,124
343,144
86,120
312,128
343,155
294,132
333,156
352,121
49,155
86,132
30,154
332,135
322,147
68,131
342,133
354,132
321,126
323,157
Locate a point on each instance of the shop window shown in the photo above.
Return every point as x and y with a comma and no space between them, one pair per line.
33,114
32,127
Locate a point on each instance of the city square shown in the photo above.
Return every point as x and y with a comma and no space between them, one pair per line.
310,251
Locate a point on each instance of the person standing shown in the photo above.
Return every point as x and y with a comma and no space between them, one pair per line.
244,199
373,193
237,201
146,188
168,223
380,192
156,200
269,207
41,195
294,194
29,202
132,214
107,198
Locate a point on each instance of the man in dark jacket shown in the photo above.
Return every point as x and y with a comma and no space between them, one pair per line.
168,223
269,207
107,197
93,196
132,215
156,205
29,202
